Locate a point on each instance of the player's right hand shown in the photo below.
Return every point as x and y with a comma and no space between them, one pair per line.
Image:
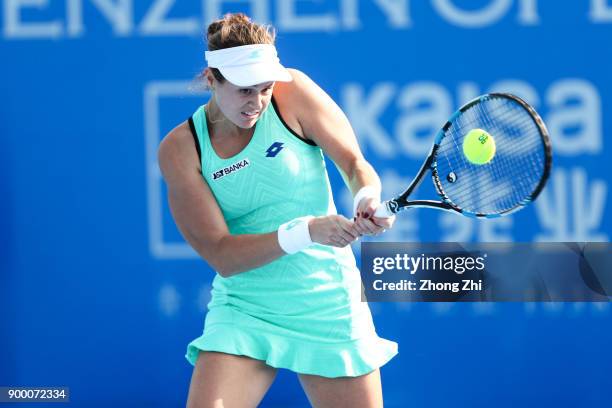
334,230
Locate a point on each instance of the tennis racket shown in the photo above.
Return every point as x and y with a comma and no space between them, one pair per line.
503,184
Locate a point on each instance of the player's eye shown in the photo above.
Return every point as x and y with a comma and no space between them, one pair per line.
246,91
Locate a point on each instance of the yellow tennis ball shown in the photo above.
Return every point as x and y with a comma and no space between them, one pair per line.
478,146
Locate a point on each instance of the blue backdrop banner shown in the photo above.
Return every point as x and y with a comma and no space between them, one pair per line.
99,292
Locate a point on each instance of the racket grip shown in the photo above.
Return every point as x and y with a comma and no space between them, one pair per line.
383,210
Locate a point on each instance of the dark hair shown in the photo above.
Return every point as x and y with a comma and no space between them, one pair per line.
234,30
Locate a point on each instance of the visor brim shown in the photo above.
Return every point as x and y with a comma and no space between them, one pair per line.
254,74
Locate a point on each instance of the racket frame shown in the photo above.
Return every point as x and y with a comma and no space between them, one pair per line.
401,202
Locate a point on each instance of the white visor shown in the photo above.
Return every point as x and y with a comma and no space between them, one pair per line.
248,65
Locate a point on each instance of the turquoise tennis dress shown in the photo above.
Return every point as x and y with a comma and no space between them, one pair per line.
301,312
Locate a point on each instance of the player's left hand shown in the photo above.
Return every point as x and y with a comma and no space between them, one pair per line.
364,221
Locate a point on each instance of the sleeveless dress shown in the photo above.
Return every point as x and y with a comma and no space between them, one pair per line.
301,312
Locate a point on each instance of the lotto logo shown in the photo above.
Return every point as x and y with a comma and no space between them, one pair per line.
274,149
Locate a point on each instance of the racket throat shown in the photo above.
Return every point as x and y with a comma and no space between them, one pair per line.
393,206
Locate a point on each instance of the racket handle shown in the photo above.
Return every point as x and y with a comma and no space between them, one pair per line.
383,210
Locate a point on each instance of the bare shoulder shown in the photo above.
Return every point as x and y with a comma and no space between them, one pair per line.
300,101
302,93
177,151
299,87
298,76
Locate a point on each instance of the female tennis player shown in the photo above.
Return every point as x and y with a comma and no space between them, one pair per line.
248,189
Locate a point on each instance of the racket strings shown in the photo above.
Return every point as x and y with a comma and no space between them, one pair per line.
527,125
514,172
504,194
473,169
469,124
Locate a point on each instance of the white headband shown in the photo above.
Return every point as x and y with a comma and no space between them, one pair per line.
248,65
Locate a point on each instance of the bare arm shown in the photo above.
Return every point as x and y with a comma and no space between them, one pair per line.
320,119
198,216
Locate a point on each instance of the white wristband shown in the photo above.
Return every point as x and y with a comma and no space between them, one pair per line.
365,192
294,236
